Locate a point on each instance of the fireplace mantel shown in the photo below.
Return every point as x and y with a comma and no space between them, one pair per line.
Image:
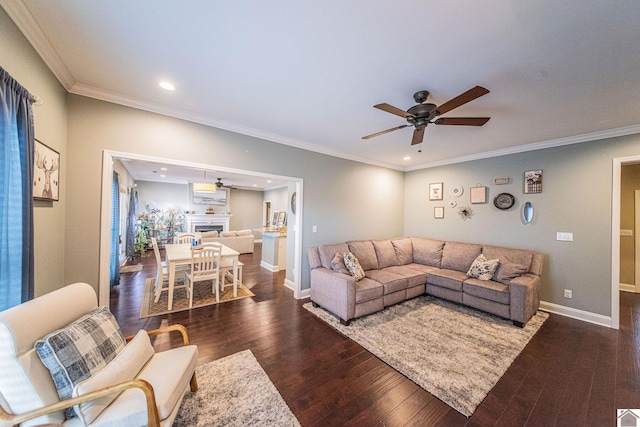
204,219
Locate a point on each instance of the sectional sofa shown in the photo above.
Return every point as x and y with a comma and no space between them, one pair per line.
403,268
241,240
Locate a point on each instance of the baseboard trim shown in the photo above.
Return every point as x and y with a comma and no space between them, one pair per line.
305,293
271,268
574,313
627,288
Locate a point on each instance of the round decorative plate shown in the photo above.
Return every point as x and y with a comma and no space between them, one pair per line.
456,191
504,201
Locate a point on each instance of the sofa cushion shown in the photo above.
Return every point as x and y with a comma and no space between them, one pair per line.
244,233
365,252
208,234
518,256
392,282
508,271
427,251
459,256
228,233
385,253
337,263
79,350
368,289
427,269
450,279
353,265
487,289
483,268
414,277
124,367
404,250
327,252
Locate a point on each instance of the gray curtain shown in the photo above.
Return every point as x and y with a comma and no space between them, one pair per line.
16,192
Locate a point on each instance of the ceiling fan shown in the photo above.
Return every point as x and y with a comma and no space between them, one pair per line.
424,113
219,184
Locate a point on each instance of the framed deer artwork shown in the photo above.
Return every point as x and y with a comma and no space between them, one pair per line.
46,173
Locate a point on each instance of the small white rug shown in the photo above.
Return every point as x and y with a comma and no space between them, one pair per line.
234,391
454,352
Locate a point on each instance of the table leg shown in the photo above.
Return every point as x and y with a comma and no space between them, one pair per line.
172,277
235,276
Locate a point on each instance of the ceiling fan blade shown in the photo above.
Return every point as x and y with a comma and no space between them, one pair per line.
393,110
462,121
418,134
462,99
384,131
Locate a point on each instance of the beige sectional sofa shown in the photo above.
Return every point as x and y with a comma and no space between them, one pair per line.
242,240
403,268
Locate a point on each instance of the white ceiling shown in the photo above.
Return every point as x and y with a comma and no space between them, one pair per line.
308,73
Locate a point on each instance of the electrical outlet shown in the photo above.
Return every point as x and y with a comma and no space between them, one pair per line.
568,293
564,237
626,232
314,229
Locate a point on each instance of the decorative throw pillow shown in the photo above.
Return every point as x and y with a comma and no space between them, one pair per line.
508,271
482,268
80,349
353,265
126,365
337,264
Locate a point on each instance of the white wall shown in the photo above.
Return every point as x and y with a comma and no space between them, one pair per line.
161,195
19,59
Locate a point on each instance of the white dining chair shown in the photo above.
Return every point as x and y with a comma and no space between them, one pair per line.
226,272
162,272
205,265
182,238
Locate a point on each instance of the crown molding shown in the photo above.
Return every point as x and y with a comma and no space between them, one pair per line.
92,92
577,139
24,20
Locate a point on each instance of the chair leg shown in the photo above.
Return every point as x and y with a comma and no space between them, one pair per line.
194,383
190,291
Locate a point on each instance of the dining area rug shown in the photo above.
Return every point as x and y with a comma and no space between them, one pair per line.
456,353
202,296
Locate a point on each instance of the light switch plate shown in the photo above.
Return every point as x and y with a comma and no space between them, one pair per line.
564,237
626,232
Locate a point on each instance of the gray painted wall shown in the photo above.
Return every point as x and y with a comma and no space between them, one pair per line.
576,198
246,208
331,203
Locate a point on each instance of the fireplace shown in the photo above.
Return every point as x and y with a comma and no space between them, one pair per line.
209,227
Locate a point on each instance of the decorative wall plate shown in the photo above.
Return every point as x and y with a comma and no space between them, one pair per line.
456,191
504,201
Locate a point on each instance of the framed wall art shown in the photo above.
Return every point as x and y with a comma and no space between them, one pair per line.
46,173
533,181
478,194
435,191
438,212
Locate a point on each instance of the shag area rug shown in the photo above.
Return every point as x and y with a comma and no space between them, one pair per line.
234,391
454,352
202,296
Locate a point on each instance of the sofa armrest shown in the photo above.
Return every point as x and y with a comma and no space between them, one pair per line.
147,389
334,291
525,297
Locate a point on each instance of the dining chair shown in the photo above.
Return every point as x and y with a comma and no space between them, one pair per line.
182,238
205,265
162,272
226,271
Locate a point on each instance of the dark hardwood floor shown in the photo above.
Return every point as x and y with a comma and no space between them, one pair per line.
572,373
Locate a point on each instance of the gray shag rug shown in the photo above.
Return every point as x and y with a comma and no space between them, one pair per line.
234,391
454,352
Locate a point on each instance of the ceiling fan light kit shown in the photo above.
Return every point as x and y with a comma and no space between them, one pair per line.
205,187
424,113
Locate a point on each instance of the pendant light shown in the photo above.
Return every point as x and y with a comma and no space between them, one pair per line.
204,187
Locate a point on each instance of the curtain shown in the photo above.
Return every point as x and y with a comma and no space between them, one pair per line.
16,192
131,223
114,264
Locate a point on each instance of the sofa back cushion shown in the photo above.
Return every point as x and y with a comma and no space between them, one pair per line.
208,234
459,256
365,252
517,256
327,252
228,233
385,253
429,251
244,233
314,257
404,250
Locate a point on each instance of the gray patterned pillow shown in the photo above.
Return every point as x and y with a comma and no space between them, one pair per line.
482,268
80,349
353,265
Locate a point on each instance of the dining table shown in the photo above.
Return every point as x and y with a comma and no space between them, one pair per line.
180,254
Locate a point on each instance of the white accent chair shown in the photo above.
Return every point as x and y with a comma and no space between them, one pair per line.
205,265
28,395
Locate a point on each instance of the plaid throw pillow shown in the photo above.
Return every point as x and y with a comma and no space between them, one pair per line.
82,348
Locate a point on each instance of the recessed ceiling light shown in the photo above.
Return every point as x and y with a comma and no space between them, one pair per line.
167,85
163,176
163,169
269,181
406,158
